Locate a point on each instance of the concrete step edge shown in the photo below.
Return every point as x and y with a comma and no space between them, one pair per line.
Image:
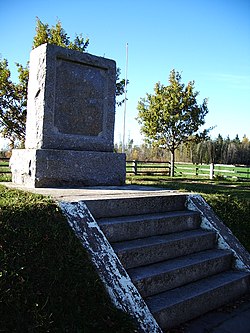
179,305
195,289
136,205
145,217
159,248
158,277
140,226
160,239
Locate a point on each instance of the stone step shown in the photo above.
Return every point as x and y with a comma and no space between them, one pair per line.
138,205
144,251
173,263
179,305
139,226
162,276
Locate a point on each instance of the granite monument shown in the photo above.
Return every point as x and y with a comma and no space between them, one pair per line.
70,122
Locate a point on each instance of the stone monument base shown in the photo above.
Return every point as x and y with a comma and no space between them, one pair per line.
62,168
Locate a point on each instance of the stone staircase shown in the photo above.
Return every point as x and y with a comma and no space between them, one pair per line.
174,263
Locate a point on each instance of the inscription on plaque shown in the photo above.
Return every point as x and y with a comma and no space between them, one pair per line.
79,104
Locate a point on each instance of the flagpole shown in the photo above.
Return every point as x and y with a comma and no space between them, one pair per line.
125,101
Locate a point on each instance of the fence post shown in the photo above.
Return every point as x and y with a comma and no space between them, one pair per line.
196,171
134,166
211,171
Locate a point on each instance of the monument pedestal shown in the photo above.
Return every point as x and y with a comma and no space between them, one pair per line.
70,122
55,168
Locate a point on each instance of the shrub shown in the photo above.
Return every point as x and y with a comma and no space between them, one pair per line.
234,212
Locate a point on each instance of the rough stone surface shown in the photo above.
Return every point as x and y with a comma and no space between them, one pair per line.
71,100
70,122
139,205
51,168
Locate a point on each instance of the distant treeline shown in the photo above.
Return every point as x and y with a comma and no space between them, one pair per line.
219,151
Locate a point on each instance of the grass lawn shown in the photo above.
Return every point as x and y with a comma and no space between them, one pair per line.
5,177
47,281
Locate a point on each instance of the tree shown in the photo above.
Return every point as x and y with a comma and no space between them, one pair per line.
120,87
172,115
13,103
13,97
57,35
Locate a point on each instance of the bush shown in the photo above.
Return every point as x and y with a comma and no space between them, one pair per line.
234,212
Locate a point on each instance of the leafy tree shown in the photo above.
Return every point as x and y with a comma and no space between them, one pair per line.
218,151
120,87
172,115
57,35
13,97
13,103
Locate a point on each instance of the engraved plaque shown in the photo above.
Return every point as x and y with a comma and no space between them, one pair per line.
80,99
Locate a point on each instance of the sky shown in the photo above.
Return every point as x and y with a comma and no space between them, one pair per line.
207,41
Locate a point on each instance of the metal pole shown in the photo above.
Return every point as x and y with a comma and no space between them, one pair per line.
125,101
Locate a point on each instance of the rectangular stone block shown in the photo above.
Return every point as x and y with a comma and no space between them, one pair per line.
57,168
71,100
70,122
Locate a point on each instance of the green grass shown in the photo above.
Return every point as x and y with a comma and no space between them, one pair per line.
47,281
5,177
229,199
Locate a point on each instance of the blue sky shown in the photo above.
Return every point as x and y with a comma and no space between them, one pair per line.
208,41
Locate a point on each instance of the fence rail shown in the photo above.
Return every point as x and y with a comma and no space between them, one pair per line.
4,165
147,168
152,168
188,169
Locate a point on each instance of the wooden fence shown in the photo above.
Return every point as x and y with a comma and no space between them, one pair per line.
148,168
153,168
188,169
4,165
213,170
